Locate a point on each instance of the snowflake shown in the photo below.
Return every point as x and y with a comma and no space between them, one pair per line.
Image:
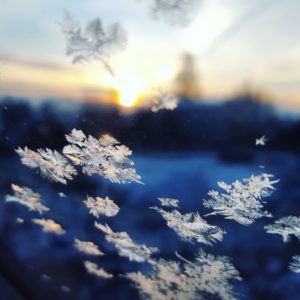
49,226
51,164
105,157
94,42
62,195
92,268
295,265
27,197
285,226
168,202
191,227
241,201
125,245
87,247
164,101
261,141
99,206
173,11
209,277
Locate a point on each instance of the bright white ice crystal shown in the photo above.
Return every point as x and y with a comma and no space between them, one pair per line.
286,227
208,277
27,197
104,156
49,226
295,264
92,268
51,164
125,245
242,200
88,248
168,202
99,206
191,227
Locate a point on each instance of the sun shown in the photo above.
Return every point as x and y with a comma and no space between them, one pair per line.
130,90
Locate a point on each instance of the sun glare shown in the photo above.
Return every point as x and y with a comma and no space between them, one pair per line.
130,90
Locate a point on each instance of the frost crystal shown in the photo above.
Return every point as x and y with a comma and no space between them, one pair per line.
99,206
191,227
94,41
125,245
105,157
285,226
241,201
168,202
295,265
164,101
261,141
27,197
87,247
209,277
92,268
49,226
50,163
173,11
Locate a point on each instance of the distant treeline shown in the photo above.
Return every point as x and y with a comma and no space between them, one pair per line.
229,127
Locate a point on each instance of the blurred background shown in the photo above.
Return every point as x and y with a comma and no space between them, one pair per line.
233,65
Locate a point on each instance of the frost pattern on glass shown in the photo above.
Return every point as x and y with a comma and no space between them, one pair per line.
191,227
94,41
99,206
169,202
242,200
92,268
208,277
27,197
286,227
51,164
49,226
105,156
295,264
126,246
176,12
164,101
88,248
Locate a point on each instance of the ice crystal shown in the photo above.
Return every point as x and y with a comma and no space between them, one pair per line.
173,11
261,141
50,163
92,268
104,156
168,202
99,206
208,277
285,226
20,220
242,200
295,265
62,195
27,197
191,227
94,41
49,225
125,245
88,248
164,101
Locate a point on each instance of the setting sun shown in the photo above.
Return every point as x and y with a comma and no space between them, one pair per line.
130,90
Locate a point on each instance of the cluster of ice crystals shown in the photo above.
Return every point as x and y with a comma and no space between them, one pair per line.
27,197
99,206
125,245
88,248
295,265
51,164
164,101
286,227
208,277
241,201
104,156
49,226
168,202
92,268
191,227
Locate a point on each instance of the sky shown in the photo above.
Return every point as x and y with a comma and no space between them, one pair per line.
233,42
